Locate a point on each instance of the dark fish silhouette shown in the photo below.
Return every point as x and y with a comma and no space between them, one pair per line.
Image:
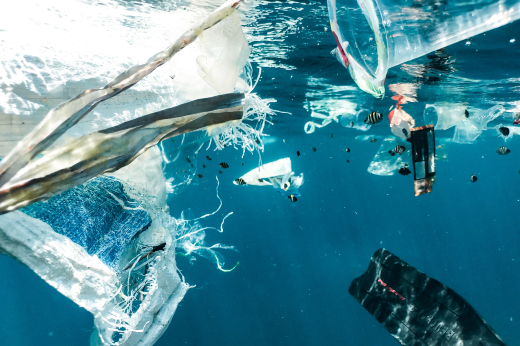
374,118
298,153
351,124
293,198
473,178
242,163
391,152
220,172
331,135
203,166
504,130
399,149
404,171
373,140
313,149
224,165
199,175
466,113
348,150
261,180
187,159
348,161
503,151
240,181
209,158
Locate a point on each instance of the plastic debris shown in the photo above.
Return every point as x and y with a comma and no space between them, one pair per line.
468,130
386,164
277,174
423,156
444,115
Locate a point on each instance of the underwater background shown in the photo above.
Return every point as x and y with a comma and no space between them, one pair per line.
297,259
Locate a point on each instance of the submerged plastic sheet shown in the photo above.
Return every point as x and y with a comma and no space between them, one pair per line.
385,164
278,174
444,115
417,309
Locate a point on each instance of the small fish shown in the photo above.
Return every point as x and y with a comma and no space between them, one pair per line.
199,175
348,150
373,140
314,149
285,186
374,118
203,166
331,135
399,149
293,198
391,152
261,180
257,141
466,113
405,133
351,124
348,161
298,153
503,151
404,171
473,178
220,172
224,165
187,159
242,163
209,158
504,130
240,181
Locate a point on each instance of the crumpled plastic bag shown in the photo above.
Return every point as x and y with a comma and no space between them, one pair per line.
278,174
400,122
444,115
468,130
385,164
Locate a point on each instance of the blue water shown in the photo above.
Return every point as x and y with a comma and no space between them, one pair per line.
297,259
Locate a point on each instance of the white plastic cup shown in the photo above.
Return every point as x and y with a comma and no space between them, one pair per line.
375,35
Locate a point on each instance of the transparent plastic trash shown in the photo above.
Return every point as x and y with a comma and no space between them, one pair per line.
444,115
355,120
374,35
468,130
385,164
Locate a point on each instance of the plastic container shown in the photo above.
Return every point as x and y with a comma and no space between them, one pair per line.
375,35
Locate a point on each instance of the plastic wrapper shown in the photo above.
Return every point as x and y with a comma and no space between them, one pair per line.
277,174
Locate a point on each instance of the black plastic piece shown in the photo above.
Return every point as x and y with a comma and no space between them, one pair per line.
416,309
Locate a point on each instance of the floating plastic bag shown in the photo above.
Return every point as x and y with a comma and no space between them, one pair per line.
356,120
469,129
444,115
374,35
277,174
227,53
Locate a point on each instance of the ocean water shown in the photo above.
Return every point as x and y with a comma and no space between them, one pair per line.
297,259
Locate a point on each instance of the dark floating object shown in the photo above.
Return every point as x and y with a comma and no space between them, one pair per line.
209,158
224,165
373,140
503,151
242,163
203,166
314,149
240,181
405,133
351,124
261,180
391,152
199,175
298,153
417,309
293,198
187,159
220,172
348,161
404,171
374,118
504,130
348,150
466,113
473,178
331,135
